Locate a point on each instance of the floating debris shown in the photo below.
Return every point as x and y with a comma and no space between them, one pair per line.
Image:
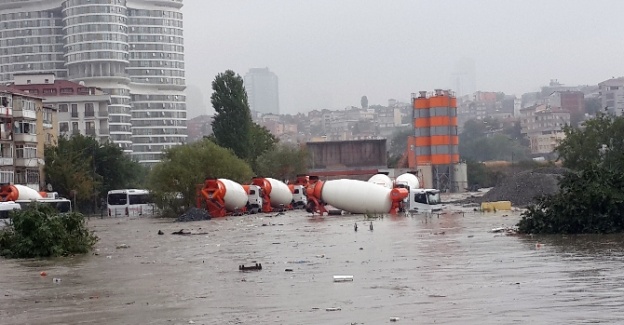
194,214
256,267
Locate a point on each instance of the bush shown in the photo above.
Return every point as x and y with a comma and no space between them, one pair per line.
591,201
39,231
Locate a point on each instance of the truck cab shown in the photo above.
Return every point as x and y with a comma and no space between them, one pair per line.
421,200
300,200
254,199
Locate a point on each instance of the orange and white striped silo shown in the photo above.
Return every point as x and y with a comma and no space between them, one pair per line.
435,140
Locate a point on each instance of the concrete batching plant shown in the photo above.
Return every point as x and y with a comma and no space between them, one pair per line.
433,149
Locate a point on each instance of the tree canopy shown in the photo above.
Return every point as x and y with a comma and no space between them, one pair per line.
89,168
483,140
232,122
591,196
283,162
232,126
173,182
262,141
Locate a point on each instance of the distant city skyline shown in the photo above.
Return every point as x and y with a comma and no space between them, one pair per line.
328,54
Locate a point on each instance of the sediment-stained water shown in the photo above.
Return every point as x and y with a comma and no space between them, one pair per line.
445,270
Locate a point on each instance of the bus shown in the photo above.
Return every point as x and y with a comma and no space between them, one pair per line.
60,205
129,203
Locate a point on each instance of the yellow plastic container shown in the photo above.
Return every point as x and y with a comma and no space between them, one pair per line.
495,206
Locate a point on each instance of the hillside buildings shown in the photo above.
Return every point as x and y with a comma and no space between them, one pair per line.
132,50
262,90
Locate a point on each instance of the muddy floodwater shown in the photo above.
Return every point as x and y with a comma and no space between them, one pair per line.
410,270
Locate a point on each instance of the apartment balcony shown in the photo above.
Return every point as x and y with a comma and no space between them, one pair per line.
26,162
90,132
24,137
6,161
47,124
25,114
74,115
89,115
6,111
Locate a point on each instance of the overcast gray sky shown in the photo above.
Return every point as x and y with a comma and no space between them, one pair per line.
328,53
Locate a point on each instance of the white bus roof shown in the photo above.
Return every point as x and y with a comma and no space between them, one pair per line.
9,205
129,191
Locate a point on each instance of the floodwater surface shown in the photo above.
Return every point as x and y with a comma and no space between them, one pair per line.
447,269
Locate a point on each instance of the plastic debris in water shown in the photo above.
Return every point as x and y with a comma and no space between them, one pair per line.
343,278
394,319
56,280
332,309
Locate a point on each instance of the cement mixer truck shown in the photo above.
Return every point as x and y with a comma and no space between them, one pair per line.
275,194
353,196
24,195
298,189
221,197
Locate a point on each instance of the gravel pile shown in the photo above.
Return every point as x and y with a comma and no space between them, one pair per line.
194,214
522,188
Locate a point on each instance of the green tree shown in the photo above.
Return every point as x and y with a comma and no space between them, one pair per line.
398,146
593,105
475,143
261,141
173,182
283,162
232,124
89,168
364,102
591,196
581,147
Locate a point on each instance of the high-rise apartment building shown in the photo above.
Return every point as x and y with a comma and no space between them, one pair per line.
262,90
133,50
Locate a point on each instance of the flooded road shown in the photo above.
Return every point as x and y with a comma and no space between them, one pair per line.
445,270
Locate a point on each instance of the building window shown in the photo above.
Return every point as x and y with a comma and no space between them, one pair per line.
28,105
74,110
64,127
89,111
25,151
47,116
75,129
63,108
6,176
46,81
25,128
6,150
32,176
5,101
90,128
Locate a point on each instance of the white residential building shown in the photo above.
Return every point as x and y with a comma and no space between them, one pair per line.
133,50
612,96
80,109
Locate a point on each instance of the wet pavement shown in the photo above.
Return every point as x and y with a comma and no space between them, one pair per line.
446,269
